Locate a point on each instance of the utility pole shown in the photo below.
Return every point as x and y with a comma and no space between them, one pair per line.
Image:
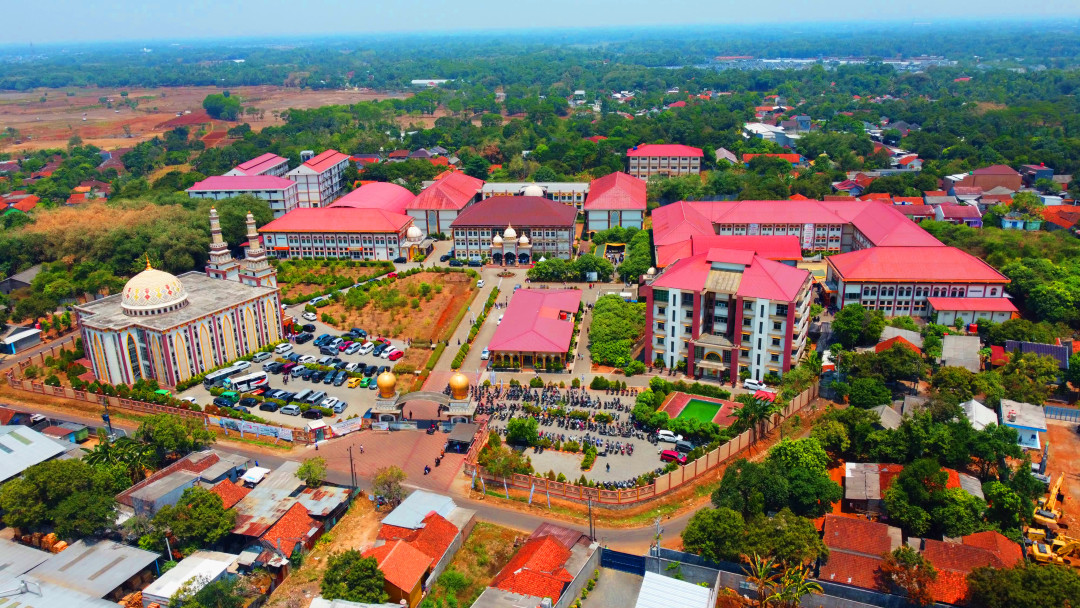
352,469
592,531
659,533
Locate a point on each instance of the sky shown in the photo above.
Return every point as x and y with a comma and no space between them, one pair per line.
52,21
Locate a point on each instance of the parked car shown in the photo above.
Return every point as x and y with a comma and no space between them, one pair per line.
372,385
392,275
397,354
684,446
444,257
668,436
329,402
753,385
306,359
341,377
298,371
485,355
268,406
312,414
356,331
308,327
288,367
340,406
323,339
379,348
475,263
456,263
672,456
260,357
291,410
400,260
189,399
355,346
370,371
222,402
481,283
272,368
303,338
344,345
329,378
383,368
248,402
355,382
365,348
241,364
283,348
309,316
389,351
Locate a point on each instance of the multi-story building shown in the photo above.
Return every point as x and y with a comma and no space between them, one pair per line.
341,233
514,230
320,179
438,205
904,280
278,192
570,193
725,311
268,164
664,160
617,199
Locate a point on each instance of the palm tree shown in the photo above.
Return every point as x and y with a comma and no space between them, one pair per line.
794,584
753,412
135,456
761,572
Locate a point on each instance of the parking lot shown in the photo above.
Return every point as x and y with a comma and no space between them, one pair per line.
359,400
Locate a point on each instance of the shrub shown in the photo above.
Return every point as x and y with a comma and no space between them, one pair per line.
536,382
634,368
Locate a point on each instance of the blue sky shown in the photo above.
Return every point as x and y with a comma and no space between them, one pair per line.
44,21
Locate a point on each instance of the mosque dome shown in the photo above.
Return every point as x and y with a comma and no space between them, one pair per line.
497,240
509,233
459,386
387,383
152,292
524,240
533,190
414,233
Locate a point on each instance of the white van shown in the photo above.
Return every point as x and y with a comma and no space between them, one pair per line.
315,397
668,436
301,396
284,347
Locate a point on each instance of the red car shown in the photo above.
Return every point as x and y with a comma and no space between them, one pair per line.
344,345
673,456
397,354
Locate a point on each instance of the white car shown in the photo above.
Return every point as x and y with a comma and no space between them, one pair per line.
500,320
668,436
480,283
753,385
283,348
260,357
366,348
386,353
189,399
485,354
351,367
242,364
306,359
329,402
309,316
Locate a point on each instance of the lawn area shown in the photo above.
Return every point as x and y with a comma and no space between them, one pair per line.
485,552
704,411
300,278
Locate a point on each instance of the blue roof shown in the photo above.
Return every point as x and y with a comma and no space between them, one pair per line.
418,505
1061,353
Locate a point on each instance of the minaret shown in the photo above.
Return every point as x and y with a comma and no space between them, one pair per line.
221,264
257,270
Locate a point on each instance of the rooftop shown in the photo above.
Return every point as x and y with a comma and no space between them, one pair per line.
337,219
17,558
664,150
772,247
401,564
742,272
538,320
207,565
322,501
451,192
537,569
326,160
616,191
973,304
259,165
230,492
22,448
94,567
416,506
218,183
518,211
659,591
978,414
931,264
294,527
1022,415
377,195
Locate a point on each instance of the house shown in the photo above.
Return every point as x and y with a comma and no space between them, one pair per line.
617,199
19,280
888,417
664,159
723,154
1059,352
856,550
885,345
342,232
911,337
961,351
1033,173
955,560
554,562
404,568
320,178
294,531
266,164
865,483
780,135
281,194
1028,420
959,214
1021,221
850,186
439,204
210,467
990,177
978,414
194,571
911,162
23,448
948,311
967,194
538,328
1061,217
434,526
398,156
796,160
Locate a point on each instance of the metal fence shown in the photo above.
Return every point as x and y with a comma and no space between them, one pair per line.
1069,414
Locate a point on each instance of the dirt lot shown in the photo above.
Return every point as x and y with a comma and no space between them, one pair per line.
52,123
357,530
485,552
434,318
300,278
1064,454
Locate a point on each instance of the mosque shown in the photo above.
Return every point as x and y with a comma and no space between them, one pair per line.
171,328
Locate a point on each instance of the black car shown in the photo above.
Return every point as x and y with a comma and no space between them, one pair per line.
340,364
287,396
273,368
370,370
475,263
329,379
248,402
444,257
400,260
379,348
359,333
384,368
309,327
304,338
269,406
340,378
316,376
312,414
456,263
222,402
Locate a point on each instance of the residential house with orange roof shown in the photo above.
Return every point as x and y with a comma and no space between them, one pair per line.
554,563
230,492
856,550
404,568
865,484
294,531
955,560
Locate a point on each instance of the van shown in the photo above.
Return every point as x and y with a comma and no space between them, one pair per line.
672,456
283,348
288,367
668,436
753,385
302,395
684,446
316,397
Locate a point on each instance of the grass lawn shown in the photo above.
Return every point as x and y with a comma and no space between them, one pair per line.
484,553
702,410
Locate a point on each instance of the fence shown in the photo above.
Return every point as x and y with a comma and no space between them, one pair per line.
141,407
38,359
662,485
1062,413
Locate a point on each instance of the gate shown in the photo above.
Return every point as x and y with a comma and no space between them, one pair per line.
623,562
1062,413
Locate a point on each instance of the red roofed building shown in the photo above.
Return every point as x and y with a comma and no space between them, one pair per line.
664,159
266,164
901,280
294,530
404,568
677,104
536,329
438,205
596,138
514,230
959,214
856,550
320,179
342,233
617,199
727,310
537,570
971,310
799,197
777,248
796,160
21,201
281,194
954,561
1061,217
230,492
916,212
992,177
911,162
887,344
377,195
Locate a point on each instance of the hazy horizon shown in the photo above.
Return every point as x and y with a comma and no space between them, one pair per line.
61,21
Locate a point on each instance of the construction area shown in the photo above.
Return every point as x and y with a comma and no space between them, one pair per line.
1054,534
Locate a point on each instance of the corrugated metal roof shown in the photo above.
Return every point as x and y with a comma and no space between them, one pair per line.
1060,353
659,591
322,501
260,510
22,448
165,485
16,558
204,566
416,506
283,478
319,602
42,594
94,567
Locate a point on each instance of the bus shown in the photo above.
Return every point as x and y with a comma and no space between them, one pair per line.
248,383
213,378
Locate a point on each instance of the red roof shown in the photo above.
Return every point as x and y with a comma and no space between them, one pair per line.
761,277
230,492
596,138
76,198
1001,304
440,161
998,356
908,200
935,193
259,164
918,210
452,191
858,535
851,569
876,196
887,344
295,525
617,191
1006,550
521,211
954,561
768,246
432,539
326,160
995,170
665,150
401,564
537,320
338,219
242,182
967,190
27,203
678,104
799,197
909,264
907,160
537,569
791,158
959,212
398,154
1062,215
56,431
377,195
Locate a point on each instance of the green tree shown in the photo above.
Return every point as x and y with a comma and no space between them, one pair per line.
222,593
908,572
715,534
1025,585
73,497
1026,377
761,573
169,434
197,521
387,483
832,435
312,471
855,326
954,385
869,392
788,538
1006,509
352,577
522,431
134,456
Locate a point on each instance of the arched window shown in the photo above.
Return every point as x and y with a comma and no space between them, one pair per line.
133,358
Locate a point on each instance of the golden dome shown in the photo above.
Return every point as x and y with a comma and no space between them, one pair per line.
153,291
459,386
387,382
524,240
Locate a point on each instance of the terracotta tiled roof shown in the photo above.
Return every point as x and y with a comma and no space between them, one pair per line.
230,493
433,539
1062,215
402,565
536,570
1008,552
887,344
857,536
851,569
296,525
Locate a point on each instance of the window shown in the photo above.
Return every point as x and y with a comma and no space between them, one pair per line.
776,325
748,306
774,358
776,341
746,322
781,310
993,292
660,326
689,314
660,340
